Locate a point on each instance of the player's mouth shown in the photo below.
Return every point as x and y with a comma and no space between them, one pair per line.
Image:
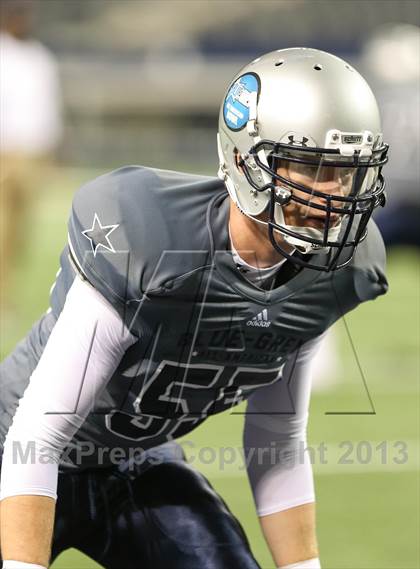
318,221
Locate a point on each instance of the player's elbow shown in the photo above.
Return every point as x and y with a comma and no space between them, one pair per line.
33,437
30,461
26,445
265,448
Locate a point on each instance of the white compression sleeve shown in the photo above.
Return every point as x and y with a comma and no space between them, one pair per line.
84,348
278,466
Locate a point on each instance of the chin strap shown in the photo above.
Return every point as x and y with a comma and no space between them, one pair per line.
312,233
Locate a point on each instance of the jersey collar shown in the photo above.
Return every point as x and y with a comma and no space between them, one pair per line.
218,224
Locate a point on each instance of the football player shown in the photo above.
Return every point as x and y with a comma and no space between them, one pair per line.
178,297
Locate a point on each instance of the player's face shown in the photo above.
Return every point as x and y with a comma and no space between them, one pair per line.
327,179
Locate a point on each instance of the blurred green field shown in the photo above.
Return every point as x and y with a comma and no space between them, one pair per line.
368,514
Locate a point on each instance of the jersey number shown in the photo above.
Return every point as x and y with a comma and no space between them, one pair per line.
179,396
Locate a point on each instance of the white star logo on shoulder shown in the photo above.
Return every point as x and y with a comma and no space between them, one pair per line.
98,235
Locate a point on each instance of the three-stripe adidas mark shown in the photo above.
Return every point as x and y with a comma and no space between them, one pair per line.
260,320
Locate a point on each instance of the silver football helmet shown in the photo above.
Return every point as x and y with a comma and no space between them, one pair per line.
301,150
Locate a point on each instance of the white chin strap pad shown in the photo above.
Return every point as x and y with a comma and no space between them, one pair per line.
311,232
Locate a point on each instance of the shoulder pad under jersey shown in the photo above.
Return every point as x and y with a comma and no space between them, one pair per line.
364,278
369,265
124,222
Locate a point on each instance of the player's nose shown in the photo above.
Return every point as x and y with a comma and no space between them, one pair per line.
331,189
329,186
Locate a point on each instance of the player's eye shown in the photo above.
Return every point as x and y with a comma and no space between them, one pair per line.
346,173
345,176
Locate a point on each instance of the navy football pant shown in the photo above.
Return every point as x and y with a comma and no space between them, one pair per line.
168,517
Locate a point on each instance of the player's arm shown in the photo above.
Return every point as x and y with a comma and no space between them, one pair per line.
84,348
30,518
291,537
281,476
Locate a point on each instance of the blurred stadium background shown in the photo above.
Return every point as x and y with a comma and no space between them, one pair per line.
141,82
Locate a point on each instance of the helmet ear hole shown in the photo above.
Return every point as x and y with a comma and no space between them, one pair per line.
236,159
236,156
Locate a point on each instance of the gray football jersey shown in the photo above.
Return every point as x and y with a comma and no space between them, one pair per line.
155,244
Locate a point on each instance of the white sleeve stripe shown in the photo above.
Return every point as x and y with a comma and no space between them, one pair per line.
286,505
29,491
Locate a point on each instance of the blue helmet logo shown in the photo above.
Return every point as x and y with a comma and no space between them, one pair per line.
236,107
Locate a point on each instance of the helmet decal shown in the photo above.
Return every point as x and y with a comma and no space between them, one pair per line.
236,106
298,139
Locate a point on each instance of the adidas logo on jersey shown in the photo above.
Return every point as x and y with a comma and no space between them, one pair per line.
260,320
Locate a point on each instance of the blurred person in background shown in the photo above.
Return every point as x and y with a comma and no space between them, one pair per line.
30,128
391,59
